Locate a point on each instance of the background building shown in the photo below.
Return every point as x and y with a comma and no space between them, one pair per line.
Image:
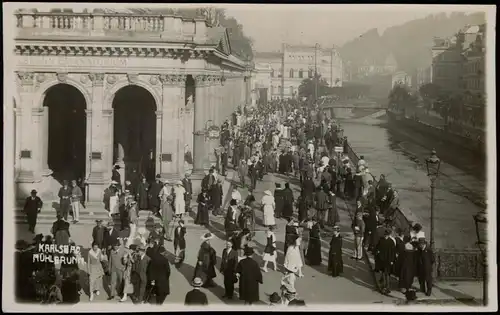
294,63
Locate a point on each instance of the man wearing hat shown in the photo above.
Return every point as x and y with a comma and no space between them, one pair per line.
32,207
154,193
98,234
335,261
64,199
207,258
140,269
279,200
385,255
196,296
188,187
425,262
250,277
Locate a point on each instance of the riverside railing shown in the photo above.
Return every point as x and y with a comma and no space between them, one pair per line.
451,264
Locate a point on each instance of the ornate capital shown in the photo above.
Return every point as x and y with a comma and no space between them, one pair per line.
37,111
40,77
159,114
88,113
201,80
96,78
26,78
173,79
132,78
62,77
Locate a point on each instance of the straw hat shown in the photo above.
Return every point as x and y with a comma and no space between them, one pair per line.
197,282
207,236
269,193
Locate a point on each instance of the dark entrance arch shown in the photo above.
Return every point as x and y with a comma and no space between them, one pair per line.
135,132
67,128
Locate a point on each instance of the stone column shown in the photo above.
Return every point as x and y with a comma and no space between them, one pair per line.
101,129
212,144
171,152
200,159
26,145
36,129
159,131
108,143
17,134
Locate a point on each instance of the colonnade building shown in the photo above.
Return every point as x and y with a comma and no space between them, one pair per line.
140,91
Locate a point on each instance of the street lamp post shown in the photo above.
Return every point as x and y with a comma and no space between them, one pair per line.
433,163
481,223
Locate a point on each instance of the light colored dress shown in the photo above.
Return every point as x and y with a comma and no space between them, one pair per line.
113,205
128,287
269,206
94,269
293,257
180,204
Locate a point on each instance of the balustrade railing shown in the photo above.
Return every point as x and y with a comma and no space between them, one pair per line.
108,22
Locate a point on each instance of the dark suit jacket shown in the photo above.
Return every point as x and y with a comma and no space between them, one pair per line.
111,239
195,297
98,235
425,262
159,271
229,263
142,267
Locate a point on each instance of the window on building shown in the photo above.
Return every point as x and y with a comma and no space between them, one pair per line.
291,90
291,73
272,73
310,73
301,73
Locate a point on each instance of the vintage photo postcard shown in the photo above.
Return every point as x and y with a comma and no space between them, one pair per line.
173,157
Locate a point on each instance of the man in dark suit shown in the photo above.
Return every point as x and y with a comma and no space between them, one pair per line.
188,195
60,230
64,200
228,269
159,274
385,255
425,264
98,234
195,296
32,208
140,269
111,237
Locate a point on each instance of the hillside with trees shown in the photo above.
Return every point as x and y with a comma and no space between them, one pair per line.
410,43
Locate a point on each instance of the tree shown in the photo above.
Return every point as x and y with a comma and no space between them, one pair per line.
307,87
430,93
400,98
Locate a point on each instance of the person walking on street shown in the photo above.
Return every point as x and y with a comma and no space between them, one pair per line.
335,261
95,270
425,262
116,268
179,243
242,172
167,212
188,187
159,274
385,254
64,200
207,258
228,269
196,296
358,227
250,276
32,207
270,250
98,234
76,197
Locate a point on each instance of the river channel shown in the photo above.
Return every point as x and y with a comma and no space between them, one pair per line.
459,194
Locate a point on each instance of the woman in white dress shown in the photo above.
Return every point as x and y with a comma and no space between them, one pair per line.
114,203
268,208
94,269
180,204
293,258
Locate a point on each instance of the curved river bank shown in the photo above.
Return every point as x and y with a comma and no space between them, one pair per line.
458,195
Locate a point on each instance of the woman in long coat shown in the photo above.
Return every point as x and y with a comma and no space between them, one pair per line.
335,261
291,234
250,276
333,215
279,200
287,201
216,197
313,254
128,287
408,267
143,194
205,265
268,205
94,269
167,212
202,216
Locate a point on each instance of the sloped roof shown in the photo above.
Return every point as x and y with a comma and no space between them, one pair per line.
268,55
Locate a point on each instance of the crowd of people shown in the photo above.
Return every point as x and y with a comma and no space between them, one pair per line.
282,138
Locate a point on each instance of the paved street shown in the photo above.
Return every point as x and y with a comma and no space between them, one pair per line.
356,284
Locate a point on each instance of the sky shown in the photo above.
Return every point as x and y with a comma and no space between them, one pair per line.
271,25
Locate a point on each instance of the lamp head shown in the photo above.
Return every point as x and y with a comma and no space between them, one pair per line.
433,163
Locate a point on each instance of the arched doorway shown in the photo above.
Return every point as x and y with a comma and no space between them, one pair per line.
67,127
135,132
